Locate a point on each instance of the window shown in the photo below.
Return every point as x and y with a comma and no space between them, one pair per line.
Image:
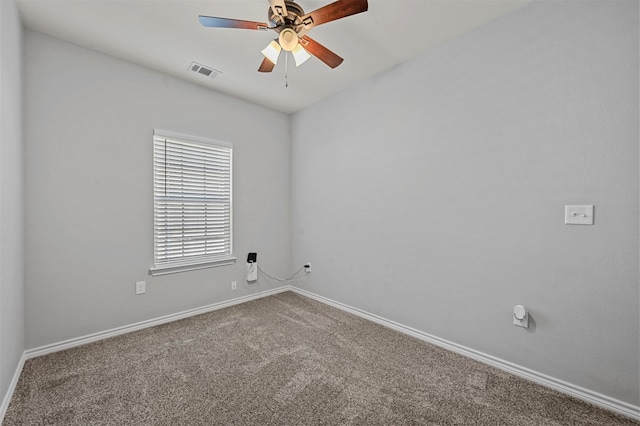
192,203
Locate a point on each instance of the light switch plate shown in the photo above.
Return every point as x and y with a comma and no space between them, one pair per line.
141,287
578,215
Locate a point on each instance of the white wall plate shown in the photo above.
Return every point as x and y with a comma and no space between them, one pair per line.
578,215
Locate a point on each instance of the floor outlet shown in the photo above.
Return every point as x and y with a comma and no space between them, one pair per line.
141,287
234,285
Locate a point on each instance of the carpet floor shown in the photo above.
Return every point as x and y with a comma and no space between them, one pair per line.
281,360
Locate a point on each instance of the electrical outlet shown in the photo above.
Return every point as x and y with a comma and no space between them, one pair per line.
520,316
252,272
307,267
234,285
141,287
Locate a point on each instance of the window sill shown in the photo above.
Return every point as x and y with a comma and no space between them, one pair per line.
183,267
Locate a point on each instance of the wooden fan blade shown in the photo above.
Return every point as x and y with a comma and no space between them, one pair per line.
266,66
279,8
333,11
212,21
320,52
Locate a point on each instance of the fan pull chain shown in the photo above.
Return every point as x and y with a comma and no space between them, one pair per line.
286,63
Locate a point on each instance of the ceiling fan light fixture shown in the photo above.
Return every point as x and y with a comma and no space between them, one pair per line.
300,55
272,51
288,39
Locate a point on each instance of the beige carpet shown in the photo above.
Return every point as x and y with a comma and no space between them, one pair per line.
281,360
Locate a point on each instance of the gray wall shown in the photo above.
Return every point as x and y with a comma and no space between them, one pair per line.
89,205
11,195
434,194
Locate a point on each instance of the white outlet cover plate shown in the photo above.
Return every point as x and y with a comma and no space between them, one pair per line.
523,322
578,215
252,272
141,287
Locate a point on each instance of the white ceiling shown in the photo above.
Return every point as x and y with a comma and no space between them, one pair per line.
165,35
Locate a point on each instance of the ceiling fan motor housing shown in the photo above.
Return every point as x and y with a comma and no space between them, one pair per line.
294,12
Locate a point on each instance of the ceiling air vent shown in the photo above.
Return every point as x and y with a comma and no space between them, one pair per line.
204,70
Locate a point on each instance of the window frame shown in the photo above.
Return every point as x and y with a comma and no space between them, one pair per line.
201,261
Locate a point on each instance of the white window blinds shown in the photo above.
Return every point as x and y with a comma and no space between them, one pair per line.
192,187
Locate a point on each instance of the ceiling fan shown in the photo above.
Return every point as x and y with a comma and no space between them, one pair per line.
291,23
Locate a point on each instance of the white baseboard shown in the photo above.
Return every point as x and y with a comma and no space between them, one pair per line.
587,395
94,337
595,398
12,388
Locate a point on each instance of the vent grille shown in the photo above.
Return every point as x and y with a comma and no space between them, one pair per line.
204,70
